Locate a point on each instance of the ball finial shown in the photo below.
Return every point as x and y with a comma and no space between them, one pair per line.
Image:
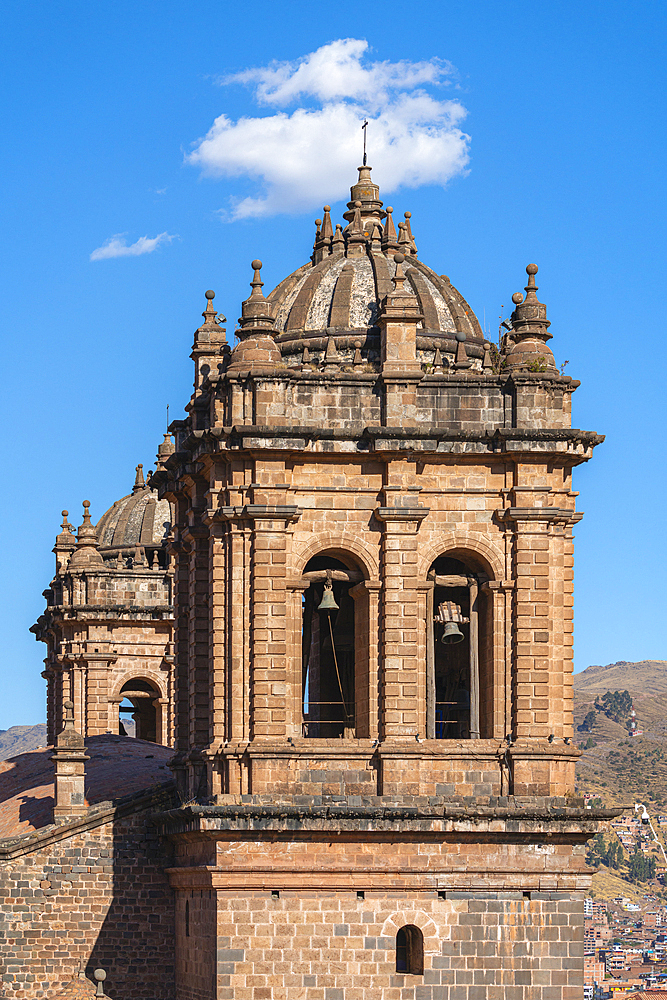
461,336
318,222
327,208
517,298
389,210
210,294
256,265
357,204
399,258
532,269
407,215
100,975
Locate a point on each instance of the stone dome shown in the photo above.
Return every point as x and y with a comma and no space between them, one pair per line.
338,292
137,519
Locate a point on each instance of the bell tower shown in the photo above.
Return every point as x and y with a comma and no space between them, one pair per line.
373,651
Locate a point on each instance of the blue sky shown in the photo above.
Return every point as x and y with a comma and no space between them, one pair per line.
513,134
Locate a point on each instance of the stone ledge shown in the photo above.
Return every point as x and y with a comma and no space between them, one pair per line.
501,817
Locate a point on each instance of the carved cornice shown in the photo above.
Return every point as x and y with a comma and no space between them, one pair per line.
548,515
388,514
257,512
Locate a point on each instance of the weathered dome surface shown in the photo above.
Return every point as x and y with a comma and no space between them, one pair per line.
137,519
338,292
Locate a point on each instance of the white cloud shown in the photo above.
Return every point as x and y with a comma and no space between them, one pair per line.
117,246
307,157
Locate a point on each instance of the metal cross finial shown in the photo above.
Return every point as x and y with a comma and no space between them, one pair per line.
363,129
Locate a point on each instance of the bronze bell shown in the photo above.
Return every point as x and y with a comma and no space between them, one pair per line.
328,602
452,633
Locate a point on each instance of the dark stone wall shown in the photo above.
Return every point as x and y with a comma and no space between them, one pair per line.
100,896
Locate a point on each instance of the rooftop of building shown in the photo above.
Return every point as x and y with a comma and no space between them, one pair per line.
118,766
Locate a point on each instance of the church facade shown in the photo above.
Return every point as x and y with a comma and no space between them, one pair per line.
370,558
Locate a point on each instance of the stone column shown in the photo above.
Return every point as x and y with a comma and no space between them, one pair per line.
400,642
70,770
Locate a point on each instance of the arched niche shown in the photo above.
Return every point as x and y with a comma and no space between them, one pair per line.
140,703
460,675
334,648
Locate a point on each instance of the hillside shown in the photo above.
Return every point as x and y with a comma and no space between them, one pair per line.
618,768
615,766
20,739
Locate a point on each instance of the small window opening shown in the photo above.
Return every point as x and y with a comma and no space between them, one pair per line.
139,713
410,950
275,894
187,918
328,645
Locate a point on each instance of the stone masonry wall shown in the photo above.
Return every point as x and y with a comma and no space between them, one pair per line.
99,896
323,945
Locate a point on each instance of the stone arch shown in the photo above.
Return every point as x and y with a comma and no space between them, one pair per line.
339,545
419,918
457,543
146,714
462,676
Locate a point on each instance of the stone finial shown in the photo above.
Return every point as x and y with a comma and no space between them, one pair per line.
69,758
100,976
389,238
530,330
87,551
408,216
327,231
65,543
165,449
210,341
461,360
338,241
331,356
356,234
404,241
323,236
139,483
486,360
256,349
399,276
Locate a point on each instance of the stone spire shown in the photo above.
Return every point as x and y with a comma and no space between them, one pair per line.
87,551
323,236
389,238
65,543
139,483
256,349
209,342
70,759
530,330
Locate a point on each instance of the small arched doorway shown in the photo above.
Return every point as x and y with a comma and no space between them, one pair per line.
328,650
140,709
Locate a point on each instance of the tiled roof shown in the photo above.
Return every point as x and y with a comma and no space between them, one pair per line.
118,766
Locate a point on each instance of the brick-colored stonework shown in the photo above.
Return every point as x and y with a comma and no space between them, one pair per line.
109,619
370,563
90,890
363,449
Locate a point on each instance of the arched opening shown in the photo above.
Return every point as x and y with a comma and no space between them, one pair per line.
328,650
459,669
139,710
410,950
